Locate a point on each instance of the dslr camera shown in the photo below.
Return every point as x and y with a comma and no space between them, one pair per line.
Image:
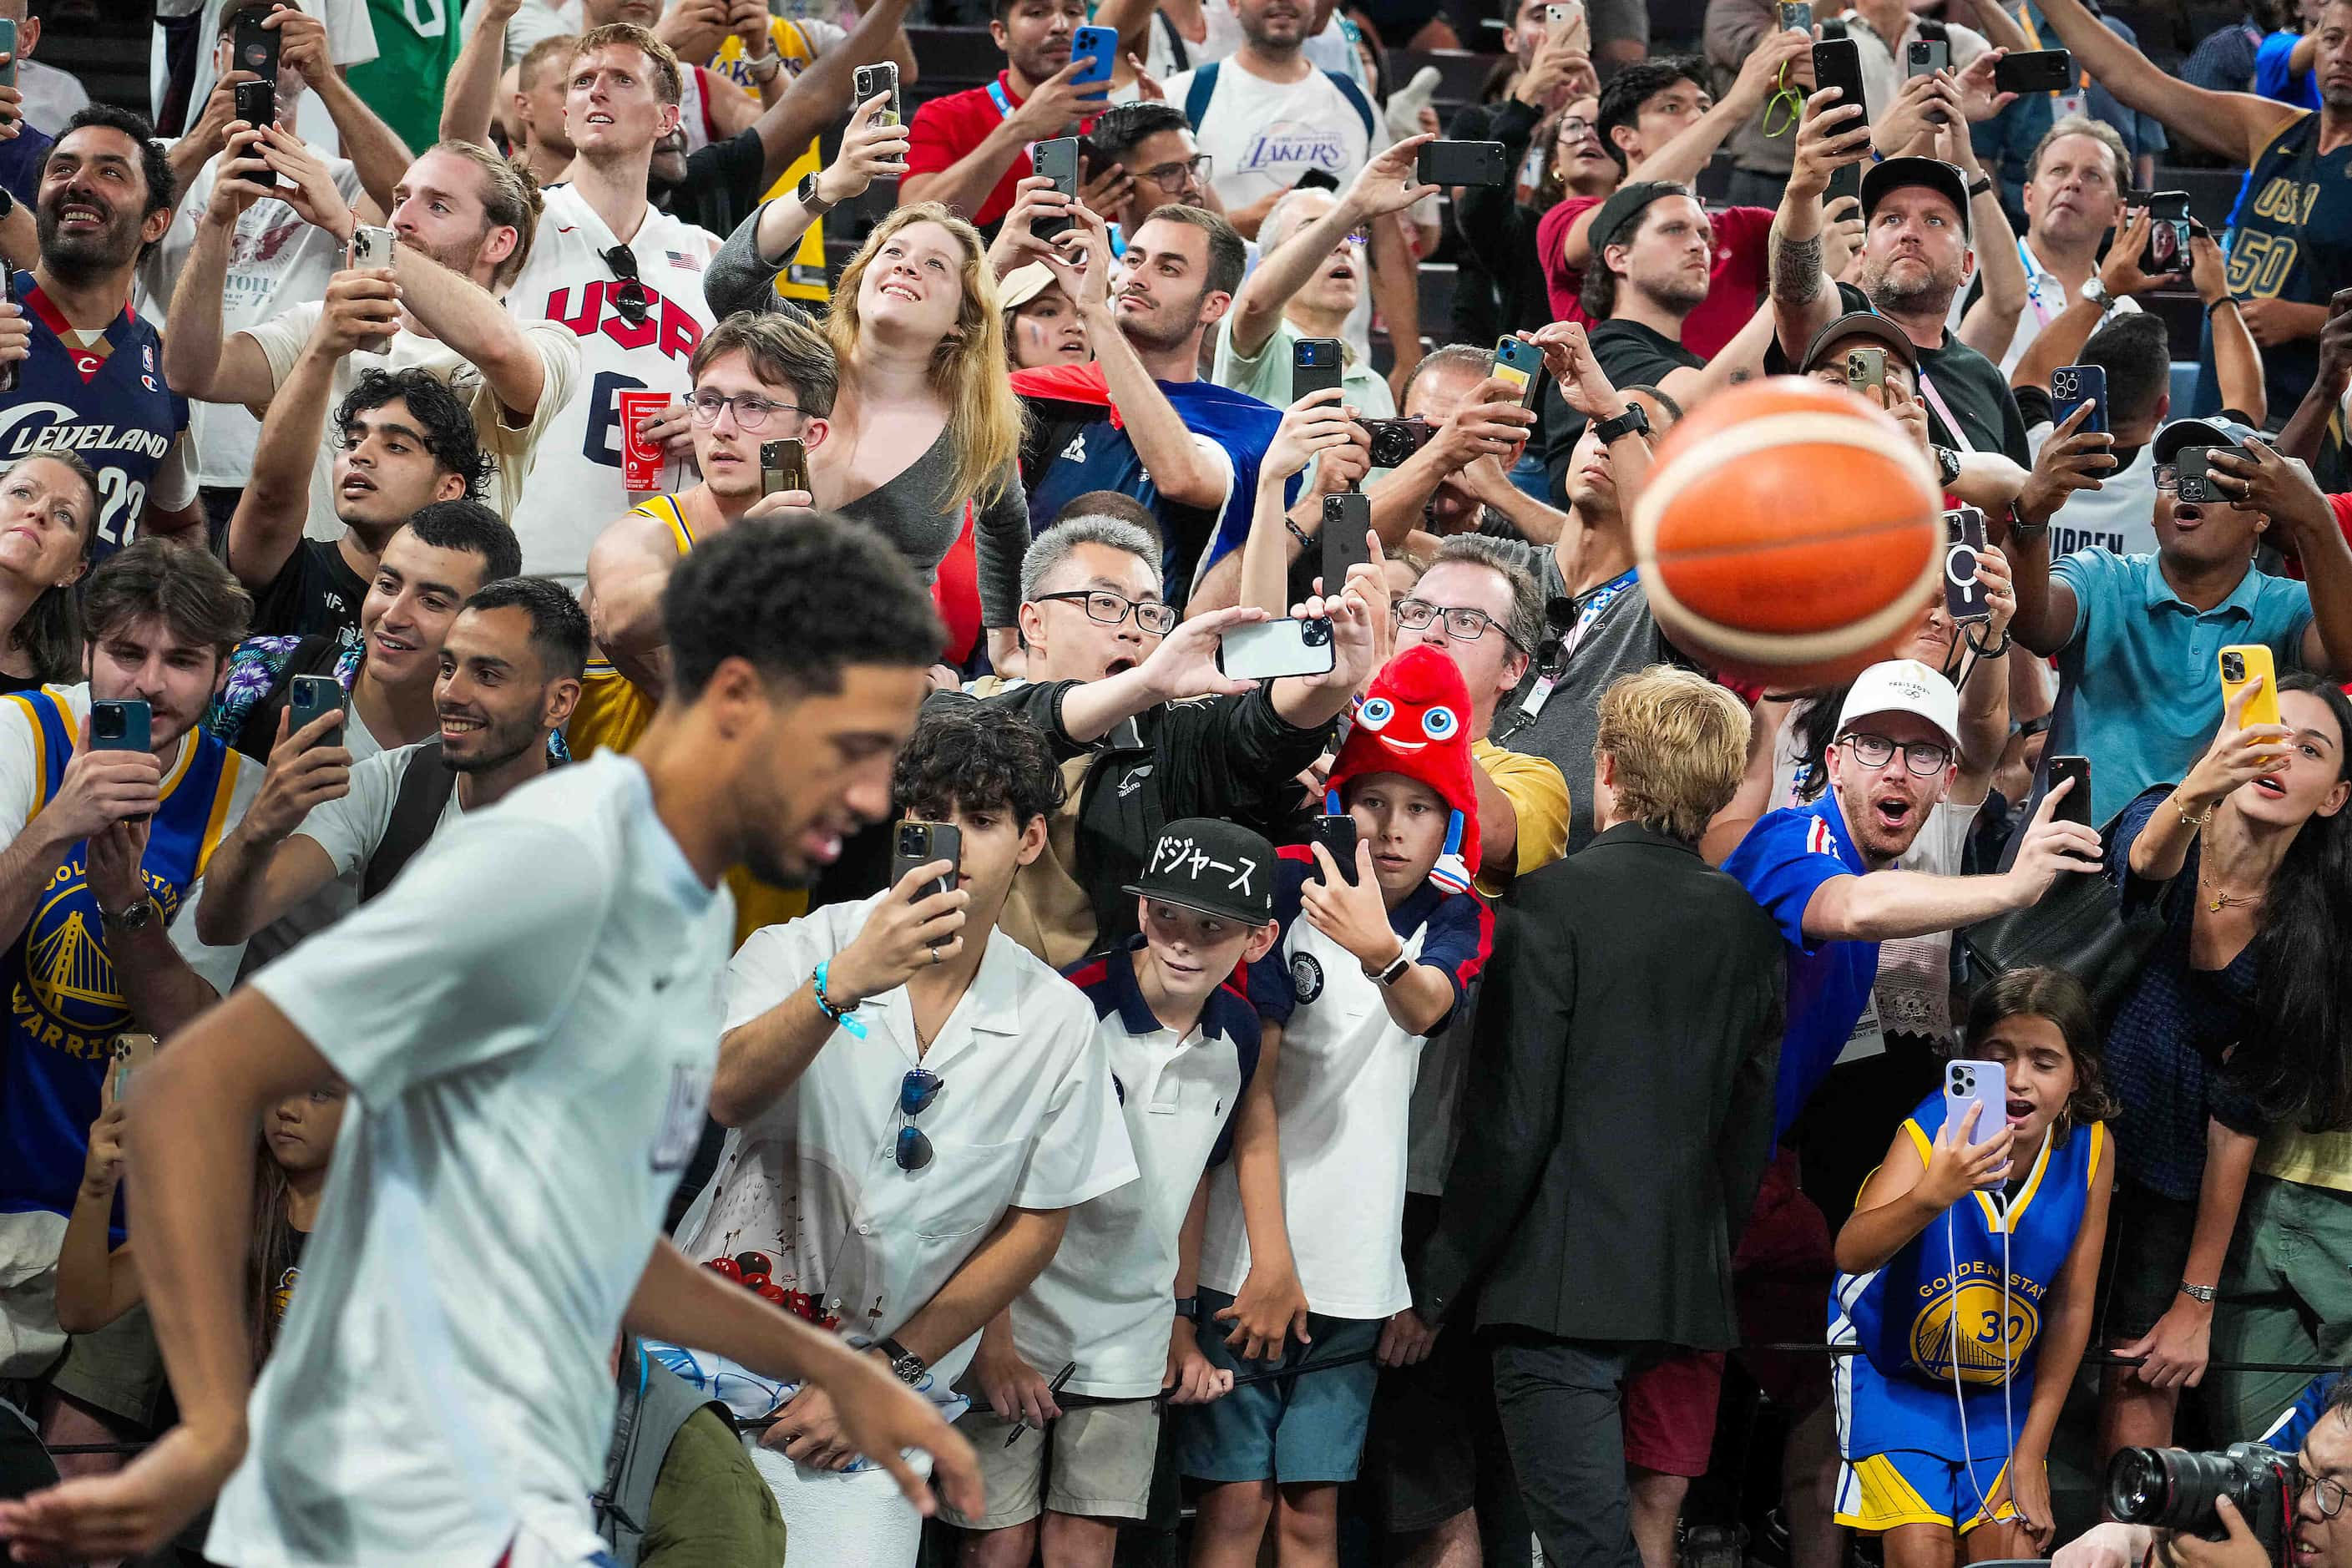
2173,1489
1394,440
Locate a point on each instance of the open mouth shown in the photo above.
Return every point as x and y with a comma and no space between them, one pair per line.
599,118
899,291
2020,1112
456,724
1891,812
355,486
82,215
821,845
2271,785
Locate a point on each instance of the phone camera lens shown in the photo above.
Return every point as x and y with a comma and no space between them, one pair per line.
1317,633
109,725
2233,666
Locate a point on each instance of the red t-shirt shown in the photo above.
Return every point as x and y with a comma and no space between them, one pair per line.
1743,262
2342,505
946,130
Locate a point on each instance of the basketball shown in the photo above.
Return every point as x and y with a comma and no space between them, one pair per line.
1789,534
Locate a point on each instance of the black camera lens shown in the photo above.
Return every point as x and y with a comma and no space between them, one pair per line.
2173,1489
1317,633
911,839
108,724
2233,666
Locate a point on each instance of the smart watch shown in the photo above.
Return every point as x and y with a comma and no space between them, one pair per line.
1635,421
1947,466
1189,1307
806,191
1394,971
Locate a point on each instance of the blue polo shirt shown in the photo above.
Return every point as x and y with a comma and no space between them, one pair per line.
1782,863
2140,679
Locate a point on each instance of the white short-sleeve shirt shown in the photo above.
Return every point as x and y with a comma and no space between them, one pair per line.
1265,134
529,1021
1026,1118
351,41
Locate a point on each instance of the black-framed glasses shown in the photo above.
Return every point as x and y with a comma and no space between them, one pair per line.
916,1091
1110,609
751,411
1924,758
1462,624
1196,170
630,299
1575,128
2325,1490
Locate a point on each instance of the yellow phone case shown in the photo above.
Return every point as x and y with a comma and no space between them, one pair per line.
2264,707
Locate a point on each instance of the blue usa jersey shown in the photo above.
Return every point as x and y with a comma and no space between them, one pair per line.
107,404
65,1003
1931,1308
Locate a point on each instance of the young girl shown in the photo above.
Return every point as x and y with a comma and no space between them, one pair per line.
1947,1411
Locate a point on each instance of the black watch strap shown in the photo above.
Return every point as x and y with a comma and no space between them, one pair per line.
905,1364
1635,421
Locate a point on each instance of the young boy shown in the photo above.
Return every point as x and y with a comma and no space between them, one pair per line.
1177,1023
1374,958
917,1103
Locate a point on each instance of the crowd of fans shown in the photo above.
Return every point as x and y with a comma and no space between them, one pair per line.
1482,1098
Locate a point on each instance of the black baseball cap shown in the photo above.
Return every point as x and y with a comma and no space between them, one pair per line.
1896,173
1625,207
1218,867
1864,324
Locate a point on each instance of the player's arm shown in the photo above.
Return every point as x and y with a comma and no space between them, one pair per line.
467,317
628,567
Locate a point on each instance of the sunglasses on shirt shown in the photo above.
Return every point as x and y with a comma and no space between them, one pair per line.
916,1091
630,299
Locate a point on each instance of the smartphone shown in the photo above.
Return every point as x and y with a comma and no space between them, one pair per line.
8,43
1337,837
254,48
1519,362
919,844
1266,650
371,246
783,466
124,726
134,1052
2033,71
1314,366
309,696
1985,1084
2072,385
1315,180
2076,807
1094,51
2168,237
1926,56
1964,535
256,105
1461,163
1845,180
2194,465
1563,21
1796,15
868,80
1837,62
1865,367
1058,160
1347,518
2241,662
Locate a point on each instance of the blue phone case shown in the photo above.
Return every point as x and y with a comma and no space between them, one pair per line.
2072,385
1100,46
1970,1082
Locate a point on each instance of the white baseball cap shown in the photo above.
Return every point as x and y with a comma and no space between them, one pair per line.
1904,686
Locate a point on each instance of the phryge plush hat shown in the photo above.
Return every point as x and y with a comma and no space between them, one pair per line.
1415,721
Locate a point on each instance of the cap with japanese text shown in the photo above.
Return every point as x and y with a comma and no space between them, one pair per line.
1217,867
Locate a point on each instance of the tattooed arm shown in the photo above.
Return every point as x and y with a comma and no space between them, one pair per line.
1804,299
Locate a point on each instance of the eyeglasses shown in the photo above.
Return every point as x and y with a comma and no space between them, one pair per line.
2327,1491
1197,169
916,1091
2167,477
1924,758
750,412
1575,128
1111,609
630,299
1463,626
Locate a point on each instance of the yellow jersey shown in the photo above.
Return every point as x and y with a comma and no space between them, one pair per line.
803,277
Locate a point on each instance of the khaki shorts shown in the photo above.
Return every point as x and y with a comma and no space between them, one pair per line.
30,1339
119,1369
1094,1463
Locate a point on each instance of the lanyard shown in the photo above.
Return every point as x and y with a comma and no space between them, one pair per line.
1601,598
1952,425
2033,36
1003,104
2033,280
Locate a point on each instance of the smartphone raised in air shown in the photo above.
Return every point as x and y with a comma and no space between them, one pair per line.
1057,160
2241,662
2033,71
2072,385
1519,362
1337,837
308,697
1346,518
1095,52
1963,534
914,844
1314,366
254,48
1982,1084
883,76
2076,807
1461,163
1837,62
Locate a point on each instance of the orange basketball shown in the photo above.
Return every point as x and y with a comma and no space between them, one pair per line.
1789,534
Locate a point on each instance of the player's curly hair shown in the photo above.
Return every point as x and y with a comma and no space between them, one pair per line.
980,756
448,425
799,601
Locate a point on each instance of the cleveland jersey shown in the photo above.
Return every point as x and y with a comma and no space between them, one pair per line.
1932,1309
105,401
576,481
65,1003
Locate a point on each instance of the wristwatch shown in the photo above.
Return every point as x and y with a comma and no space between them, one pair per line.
2095,291
806,191
138,917
8,201
905,1364
764,69
1635,421
1394,971
1189,1307
1947,466
1979,185
2204,1293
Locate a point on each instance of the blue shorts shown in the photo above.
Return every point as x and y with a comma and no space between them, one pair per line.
1904,1485
1306,1428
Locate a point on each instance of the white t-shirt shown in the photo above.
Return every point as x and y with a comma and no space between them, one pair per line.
578,487
1027,1118
2046,297
52,96
2120,515
351,41
1332,49
1343,1099
514,447
1265,134
1914,993
528,1022
276,260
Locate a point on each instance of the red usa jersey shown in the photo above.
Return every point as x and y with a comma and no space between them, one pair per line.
575,485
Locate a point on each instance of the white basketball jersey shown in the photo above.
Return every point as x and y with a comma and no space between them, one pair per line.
575,485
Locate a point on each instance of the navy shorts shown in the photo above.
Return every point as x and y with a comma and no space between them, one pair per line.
1304,1426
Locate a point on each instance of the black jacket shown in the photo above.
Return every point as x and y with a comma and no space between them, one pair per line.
1619,1113
1233,757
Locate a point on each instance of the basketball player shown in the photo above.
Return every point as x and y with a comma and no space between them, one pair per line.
529,1021
625,278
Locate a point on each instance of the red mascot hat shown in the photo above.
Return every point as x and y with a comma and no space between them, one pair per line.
1414,720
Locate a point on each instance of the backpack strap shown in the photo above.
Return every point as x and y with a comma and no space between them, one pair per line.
1197,96
416,810
1931,28
1180,54
1362,105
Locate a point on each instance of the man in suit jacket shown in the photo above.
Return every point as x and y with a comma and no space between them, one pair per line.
1621,1104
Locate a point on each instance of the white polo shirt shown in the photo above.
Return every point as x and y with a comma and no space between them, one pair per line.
529,1021
1108,1298
1343,1099
1026,1118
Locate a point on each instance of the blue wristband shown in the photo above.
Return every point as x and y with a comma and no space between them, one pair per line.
825,1004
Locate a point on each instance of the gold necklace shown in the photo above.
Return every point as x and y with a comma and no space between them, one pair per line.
2222,901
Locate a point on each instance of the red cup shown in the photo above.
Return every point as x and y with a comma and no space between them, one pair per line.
641,460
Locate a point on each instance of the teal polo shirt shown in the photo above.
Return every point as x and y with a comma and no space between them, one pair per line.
2139,678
